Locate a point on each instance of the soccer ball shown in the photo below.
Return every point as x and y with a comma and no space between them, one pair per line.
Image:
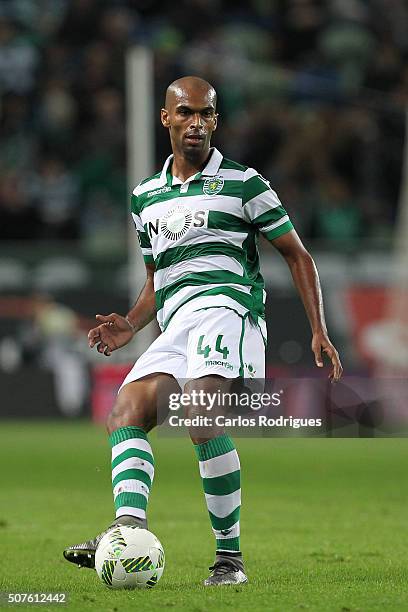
129,558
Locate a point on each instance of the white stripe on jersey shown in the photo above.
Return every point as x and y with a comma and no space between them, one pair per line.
272,226
175,272
262,203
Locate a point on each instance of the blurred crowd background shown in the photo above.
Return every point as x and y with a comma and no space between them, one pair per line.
313,94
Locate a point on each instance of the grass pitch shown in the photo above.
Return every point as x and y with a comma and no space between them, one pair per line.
324,522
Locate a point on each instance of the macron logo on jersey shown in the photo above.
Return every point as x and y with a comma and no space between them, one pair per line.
157,191
176,223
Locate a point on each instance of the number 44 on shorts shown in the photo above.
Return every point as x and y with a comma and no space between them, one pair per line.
207,349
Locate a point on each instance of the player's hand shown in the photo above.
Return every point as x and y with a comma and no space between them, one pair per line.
112,333
321,343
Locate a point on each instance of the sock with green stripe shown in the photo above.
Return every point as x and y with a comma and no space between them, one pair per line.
221,475
132,471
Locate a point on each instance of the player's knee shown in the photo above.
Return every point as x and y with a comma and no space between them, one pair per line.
130,410
206,408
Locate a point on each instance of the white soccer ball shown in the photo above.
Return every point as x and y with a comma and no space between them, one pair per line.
129,558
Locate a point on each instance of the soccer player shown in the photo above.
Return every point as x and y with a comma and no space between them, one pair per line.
198,222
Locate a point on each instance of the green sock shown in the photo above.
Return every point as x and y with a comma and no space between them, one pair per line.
132,471
221,475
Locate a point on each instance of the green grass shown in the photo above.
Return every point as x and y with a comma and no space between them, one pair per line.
324,522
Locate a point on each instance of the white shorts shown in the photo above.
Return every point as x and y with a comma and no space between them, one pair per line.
197,343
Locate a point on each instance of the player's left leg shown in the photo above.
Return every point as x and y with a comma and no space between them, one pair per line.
220,471
220,348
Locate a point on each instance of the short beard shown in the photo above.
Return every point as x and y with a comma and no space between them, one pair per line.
195,155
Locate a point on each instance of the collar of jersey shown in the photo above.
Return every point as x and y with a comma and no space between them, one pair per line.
211,169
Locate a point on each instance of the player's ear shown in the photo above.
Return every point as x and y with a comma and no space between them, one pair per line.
164,114
215,121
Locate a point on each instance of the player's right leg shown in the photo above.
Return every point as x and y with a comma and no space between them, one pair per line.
132,417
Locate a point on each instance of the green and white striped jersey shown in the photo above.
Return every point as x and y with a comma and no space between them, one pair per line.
202,235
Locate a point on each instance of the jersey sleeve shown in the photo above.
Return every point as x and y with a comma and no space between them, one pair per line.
262,207
143,237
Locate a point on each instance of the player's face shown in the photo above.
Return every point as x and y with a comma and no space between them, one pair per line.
191,119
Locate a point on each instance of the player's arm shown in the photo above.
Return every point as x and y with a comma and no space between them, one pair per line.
114,330
306,280
263,209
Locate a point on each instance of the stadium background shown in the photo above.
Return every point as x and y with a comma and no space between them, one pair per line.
312,94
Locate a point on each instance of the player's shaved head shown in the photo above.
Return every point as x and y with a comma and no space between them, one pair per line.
191,117
181,88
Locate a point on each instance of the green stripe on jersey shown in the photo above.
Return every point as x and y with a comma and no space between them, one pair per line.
183,253
226,222
244,299
144,240
253,305
279,231
253,187
270,217
228,164
134,204
210,277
